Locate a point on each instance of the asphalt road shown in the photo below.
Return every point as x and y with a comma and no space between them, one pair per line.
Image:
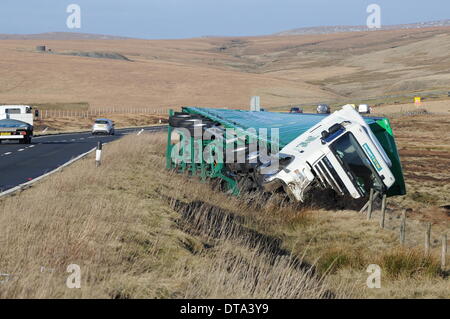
20,163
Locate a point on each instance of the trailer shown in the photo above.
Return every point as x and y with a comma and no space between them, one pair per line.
16,123
292,153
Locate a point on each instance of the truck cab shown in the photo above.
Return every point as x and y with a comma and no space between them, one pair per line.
16,123
340,152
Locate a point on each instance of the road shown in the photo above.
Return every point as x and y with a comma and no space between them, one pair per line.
20,163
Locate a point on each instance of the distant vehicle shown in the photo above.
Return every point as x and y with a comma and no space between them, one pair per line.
364,109
296,110
16,123
323,109
103,126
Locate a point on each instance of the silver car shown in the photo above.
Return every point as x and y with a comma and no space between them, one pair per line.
103,126
323,109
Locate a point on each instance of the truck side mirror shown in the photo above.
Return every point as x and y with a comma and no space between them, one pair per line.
325,135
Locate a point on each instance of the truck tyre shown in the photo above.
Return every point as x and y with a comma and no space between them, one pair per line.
26,140
191,125
175,120
190,122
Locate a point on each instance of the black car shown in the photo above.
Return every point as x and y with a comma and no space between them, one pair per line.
296,110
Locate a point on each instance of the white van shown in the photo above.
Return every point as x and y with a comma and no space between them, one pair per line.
364,109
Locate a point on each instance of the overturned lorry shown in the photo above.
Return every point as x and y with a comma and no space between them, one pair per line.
292,153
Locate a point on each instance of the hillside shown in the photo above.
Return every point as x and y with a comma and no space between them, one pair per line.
60,36
348,28
226,71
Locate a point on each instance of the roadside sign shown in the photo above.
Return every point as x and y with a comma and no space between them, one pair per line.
255,104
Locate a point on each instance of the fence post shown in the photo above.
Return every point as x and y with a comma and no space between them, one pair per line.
428,239
444,252
370,207
383,210
403,228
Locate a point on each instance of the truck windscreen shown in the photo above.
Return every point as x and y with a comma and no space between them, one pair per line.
359,168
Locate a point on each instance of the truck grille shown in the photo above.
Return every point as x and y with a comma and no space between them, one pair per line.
328,176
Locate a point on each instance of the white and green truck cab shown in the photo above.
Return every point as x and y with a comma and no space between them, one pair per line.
340,152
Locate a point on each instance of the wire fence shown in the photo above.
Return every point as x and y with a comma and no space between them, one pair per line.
46,114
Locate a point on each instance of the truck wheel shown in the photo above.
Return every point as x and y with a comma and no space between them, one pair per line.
192,124
175,120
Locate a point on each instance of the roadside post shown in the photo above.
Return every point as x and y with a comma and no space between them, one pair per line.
98,154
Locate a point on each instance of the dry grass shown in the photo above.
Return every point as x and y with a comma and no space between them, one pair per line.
138,231
118,225
225,72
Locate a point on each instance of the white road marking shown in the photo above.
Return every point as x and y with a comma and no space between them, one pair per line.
30,146
22,149
7,153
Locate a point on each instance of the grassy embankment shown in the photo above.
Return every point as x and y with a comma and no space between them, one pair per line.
139,231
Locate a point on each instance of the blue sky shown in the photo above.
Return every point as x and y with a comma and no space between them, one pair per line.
156,19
